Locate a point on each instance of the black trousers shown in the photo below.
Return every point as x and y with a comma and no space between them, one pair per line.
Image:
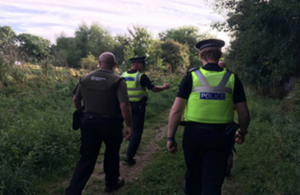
94,130
138,118
206,150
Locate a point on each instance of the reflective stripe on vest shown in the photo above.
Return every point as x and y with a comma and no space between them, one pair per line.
211,99
135,91
207,88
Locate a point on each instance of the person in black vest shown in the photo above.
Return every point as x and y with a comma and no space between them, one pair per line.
106,106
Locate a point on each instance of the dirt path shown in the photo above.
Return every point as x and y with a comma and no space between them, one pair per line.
130,173
95,185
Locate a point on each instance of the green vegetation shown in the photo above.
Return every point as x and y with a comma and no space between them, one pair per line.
37,142
36,136
165,175
267,163
265,48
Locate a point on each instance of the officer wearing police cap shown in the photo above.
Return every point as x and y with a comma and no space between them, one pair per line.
137,82
207,95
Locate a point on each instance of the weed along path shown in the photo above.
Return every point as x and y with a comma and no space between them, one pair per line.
151,151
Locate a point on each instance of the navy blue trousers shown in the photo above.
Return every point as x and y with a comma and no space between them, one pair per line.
94,130
138,118
206,150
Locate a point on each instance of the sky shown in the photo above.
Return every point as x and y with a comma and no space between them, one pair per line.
50,18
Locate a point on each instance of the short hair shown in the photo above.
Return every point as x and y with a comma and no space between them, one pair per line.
213,53
107,59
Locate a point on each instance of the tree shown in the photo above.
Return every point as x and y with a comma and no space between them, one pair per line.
140,41
175,55
89,63
120,43
99,40
188,35
266,45
94,39
7,37
8,47
34,48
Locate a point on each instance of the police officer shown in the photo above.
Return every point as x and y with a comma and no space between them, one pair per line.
137,82
106,105
208,94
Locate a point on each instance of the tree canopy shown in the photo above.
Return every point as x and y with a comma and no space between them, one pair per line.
174,51
265,49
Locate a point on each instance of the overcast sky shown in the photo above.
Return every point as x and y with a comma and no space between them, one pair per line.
49,18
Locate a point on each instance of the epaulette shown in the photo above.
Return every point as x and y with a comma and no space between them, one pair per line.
195,68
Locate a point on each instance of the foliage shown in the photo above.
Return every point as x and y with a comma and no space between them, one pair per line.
268,162
65,51
175,55
35,128
119,47
94,39
89,63
37,142
187,35
265,50
100,40
128,53
3,70
33,48
7,37
140,40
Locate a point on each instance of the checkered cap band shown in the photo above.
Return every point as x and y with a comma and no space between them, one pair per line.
209,45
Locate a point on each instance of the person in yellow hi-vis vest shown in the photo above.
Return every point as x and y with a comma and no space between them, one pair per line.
137,82
207,95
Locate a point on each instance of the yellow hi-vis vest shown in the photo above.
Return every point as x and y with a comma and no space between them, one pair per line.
135,91
211,98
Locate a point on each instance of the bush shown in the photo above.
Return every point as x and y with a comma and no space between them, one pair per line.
89,63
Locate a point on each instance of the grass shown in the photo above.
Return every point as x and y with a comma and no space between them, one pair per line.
37,145
267,163
38,148
164,175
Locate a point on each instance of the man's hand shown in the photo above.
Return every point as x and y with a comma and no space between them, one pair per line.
127,133
172,146
166,86
239,139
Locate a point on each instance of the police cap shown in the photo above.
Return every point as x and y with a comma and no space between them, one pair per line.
140,59
210,43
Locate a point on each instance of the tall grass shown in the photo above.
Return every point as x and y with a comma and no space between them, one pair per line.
267,163
37,143
36,135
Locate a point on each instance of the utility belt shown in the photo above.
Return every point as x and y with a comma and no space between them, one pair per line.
101,115
142,103
228,128
79,114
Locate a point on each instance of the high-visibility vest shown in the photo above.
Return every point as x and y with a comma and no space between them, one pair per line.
135,91
211,98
